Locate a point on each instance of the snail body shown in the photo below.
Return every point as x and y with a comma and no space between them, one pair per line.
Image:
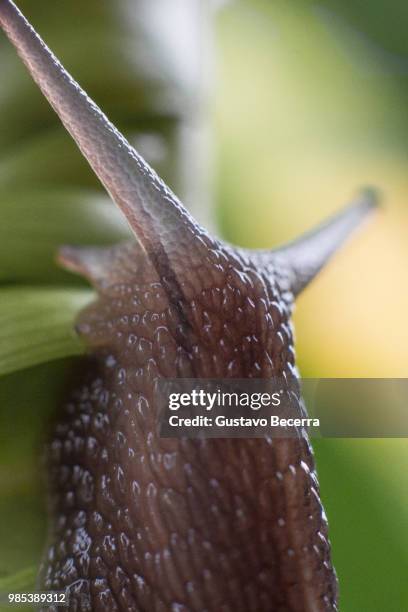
140,522
167,524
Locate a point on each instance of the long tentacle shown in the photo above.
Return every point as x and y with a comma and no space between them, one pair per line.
152,210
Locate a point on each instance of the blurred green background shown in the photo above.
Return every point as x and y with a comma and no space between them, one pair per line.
308,103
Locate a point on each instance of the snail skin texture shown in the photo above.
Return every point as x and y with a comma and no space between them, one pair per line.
143,523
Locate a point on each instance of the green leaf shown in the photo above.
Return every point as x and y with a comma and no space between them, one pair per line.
35,223
36,325
28,402
19,581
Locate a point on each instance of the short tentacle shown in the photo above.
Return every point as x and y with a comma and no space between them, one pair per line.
303,258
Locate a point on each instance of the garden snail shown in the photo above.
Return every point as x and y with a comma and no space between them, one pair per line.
145,523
